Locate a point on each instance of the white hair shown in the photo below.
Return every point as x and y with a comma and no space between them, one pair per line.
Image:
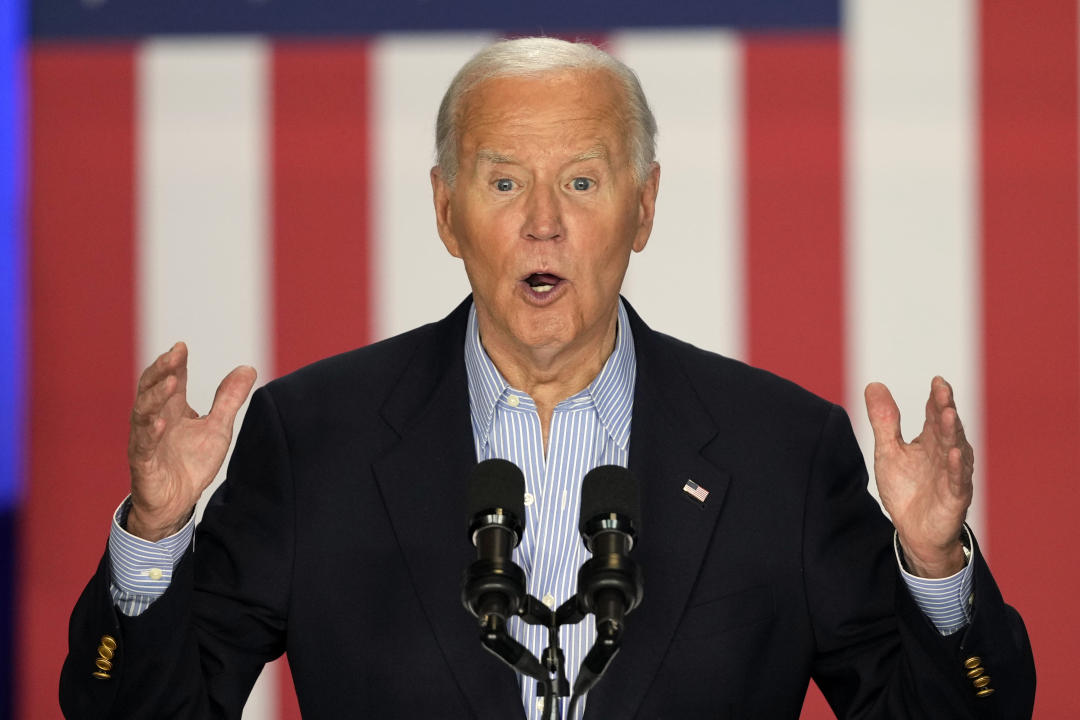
536,56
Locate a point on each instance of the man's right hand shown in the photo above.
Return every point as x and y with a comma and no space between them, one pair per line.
174,453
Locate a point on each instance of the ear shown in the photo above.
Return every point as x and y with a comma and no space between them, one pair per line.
441,193
647,206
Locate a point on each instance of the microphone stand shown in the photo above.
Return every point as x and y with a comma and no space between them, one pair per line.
607,644
550,675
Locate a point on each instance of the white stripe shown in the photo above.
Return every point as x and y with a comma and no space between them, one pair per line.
911,199
203,217
689,281
415,279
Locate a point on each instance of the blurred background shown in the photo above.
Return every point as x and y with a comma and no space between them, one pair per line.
850,191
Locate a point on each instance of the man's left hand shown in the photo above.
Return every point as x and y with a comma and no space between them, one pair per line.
925,485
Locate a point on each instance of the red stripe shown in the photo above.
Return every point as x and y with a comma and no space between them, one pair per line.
82,372
1031,321
792,181
321,215
794,238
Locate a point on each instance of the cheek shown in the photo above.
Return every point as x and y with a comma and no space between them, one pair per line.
486,233
487,263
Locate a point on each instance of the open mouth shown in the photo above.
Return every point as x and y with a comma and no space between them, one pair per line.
543,282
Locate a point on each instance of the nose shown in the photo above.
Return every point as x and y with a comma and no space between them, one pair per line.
543,216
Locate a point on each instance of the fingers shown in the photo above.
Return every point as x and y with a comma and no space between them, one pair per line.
151,401
956,466
943,420
960,476
171,362
884,416
146,431
159,383
941,397
231,394
164,379
942,392
941,413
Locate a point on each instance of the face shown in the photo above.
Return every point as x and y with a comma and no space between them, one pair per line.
545,209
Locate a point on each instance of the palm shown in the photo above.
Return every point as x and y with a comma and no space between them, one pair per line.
173,452
189,455
925,485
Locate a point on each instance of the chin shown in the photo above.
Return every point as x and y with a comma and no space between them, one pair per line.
543,332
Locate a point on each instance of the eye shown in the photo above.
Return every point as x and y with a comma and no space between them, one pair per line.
504,184
581,184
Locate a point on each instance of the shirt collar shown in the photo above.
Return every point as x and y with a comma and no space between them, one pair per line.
612,391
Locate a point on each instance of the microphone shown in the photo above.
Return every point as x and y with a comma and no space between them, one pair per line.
610,583
494,587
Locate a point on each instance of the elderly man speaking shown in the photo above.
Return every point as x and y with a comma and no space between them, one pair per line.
338,536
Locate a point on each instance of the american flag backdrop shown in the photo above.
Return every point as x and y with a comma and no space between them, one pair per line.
849,191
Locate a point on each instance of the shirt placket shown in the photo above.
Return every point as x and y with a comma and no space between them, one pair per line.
557,557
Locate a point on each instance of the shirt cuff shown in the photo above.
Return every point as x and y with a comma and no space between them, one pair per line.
947,601
141,569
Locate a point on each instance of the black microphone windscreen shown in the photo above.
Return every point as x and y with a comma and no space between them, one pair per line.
609,489
497,484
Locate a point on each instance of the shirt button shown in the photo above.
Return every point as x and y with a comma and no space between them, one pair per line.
512,400
540,704
155,573
549,600
529,499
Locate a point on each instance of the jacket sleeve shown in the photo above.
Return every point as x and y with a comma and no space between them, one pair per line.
877,654
196,652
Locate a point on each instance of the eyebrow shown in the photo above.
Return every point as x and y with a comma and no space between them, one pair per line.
596,152
493,157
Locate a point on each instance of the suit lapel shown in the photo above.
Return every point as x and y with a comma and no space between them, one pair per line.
423,483
669,436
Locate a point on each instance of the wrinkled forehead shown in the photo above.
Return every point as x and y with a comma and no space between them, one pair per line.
561,104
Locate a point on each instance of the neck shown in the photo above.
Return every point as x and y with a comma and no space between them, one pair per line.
550,375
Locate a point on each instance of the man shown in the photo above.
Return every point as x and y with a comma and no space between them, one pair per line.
338,536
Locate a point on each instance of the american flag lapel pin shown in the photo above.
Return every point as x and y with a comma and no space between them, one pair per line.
695,491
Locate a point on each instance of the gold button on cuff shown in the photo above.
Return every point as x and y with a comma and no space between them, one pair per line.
985,692
972,662
975,673
104,660
981,682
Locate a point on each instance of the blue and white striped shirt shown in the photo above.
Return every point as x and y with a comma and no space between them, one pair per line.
589,429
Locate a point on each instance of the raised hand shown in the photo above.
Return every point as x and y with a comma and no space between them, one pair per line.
174,453
925,485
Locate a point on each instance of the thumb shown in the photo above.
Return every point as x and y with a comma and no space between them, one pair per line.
231,394
884,415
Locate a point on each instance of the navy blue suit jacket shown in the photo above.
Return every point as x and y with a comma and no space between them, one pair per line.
339,537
